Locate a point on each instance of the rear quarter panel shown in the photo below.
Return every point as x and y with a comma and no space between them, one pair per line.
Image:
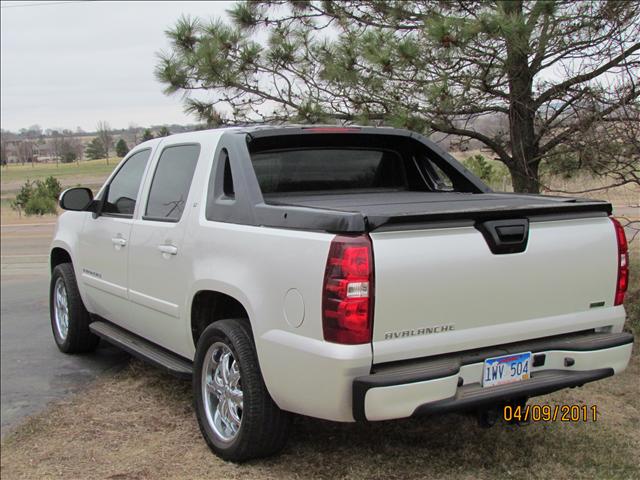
261,267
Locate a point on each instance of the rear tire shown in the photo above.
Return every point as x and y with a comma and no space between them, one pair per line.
69,318
237,417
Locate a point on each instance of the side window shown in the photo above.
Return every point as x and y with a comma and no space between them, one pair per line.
171,182
123,189
442,180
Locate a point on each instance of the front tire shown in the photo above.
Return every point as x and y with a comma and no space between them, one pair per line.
237,417
69,318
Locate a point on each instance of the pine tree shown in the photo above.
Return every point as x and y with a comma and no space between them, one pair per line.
95,149
147,135
557,74
121,148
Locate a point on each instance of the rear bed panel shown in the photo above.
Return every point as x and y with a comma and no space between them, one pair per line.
442,290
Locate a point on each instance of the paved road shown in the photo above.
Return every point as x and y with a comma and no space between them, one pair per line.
32,370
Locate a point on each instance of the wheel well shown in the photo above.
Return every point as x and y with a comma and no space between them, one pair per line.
58,256
209,307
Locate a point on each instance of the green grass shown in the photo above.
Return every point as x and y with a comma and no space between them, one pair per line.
139,423
13,174
88,173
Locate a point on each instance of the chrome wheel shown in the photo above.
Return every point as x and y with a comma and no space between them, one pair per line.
222,391
61,309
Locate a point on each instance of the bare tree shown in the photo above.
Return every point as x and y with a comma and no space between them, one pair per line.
104,134
608,149
24,149
77,148
66,147
57,143
133,130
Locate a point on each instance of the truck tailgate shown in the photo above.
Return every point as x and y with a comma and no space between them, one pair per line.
443,290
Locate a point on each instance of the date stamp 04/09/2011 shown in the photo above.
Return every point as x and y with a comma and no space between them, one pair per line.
550,413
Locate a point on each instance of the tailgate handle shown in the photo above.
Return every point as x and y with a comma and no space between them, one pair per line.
511,233
505,236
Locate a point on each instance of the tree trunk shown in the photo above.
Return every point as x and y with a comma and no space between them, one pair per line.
524,146
528,182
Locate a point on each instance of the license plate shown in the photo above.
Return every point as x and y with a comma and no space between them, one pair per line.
506,369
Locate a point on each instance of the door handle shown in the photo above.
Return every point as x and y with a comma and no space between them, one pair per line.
119,241
168,249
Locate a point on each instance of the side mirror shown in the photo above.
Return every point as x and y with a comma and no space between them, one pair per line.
77,199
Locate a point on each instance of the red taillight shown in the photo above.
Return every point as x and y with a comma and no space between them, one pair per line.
347,292
623,263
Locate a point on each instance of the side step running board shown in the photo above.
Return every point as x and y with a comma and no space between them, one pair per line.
143,349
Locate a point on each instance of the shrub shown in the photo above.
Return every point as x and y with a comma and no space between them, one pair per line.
40,204
565,164
39,197
20,202
51,187
491,172
69,157
480,167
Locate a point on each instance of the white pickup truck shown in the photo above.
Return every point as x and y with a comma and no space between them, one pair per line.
349,274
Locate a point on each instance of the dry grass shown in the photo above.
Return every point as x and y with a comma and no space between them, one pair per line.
11,217
139,424
622,196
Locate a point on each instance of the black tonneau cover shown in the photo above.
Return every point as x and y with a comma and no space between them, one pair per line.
390,209
357,212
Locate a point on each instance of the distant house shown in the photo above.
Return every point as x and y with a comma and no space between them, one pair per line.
43,152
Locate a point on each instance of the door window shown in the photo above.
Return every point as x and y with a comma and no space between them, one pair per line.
171,183
123,189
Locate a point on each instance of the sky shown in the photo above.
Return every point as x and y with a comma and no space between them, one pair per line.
72,64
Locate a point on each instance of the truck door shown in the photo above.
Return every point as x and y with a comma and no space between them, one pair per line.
158,268
104,242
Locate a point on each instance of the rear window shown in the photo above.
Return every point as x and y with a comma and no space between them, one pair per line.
308,170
